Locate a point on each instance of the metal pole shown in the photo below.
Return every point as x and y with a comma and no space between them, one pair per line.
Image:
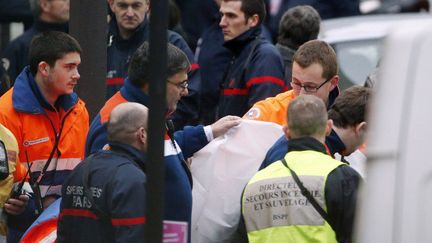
158,77
88,24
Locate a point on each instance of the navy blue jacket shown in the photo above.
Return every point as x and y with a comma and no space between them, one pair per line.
280,148
213,59
116,181
255,72
119,52
15,56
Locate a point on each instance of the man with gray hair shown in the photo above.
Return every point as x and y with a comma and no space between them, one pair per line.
307,196
49,15
109,185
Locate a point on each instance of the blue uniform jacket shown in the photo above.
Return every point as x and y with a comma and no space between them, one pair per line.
213,59
280,148
119,52
247,82
116,182
178,182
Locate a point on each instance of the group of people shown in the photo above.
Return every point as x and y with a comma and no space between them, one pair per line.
99,168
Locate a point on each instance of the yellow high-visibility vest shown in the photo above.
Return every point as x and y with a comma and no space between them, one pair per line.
274,208
12,150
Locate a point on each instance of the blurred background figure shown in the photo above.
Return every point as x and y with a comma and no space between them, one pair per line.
297,26
196,16
48,15
326,8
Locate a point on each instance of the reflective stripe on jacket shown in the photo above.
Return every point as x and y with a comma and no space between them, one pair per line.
273,207
36,127
255,73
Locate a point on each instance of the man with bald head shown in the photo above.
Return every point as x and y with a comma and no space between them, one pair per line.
276,207
104,197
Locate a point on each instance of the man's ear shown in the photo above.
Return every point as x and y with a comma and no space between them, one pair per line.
329,127
44,5
142,135
147,3
253,21
111,4
145,88
334,82
286,131
43,68
361,128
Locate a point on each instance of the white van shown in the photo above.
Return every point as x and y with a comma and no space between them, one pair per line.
396,201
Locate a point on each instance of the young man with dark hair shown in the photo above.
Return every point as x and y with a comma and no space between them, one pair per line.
256,69
43,97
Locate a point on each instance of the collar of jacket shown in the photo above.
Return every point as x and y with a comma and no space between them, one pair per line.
285,51
44,26
237,44
332,96
28,98
306,143
134,94
136,155
139,36
334,143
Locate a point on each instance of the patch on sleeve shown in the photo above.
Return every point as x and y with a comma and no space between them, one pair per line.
253,113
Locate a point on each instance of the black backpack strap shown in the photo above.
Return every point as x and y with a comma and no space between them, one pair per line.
305,192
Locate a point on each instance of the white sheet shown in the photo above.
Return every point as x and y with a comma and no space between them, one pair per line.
220,172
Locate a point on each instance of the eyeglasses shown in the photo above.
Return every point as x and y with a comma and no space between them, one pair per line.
182,85
308,88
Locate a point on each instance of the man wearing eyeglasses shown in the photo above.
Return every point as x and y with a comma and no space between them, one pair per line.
314,72
180,145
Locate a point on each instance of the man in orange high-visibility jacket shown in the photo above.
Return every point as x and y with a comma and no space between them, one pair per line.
48,120
314,72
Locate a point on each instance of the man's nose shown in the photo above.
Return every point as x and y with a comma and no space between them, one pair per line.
222,22
129,11
184,92
76,75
